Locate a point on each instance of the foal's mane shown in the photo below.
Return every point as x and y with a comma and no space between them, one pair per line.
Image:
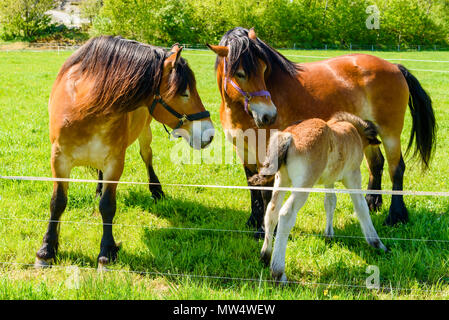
247,51
124,72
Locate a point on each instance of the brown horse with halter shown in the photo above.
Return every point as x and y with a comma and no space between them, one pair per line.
104,98
260,88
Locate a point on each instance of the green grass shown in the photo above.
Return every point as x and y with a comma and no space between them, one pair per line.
327,270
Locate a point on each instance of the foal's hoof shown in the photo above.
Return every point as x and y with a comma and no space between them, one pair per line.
377,244
374,202
107,255
42,263
265,257
280,279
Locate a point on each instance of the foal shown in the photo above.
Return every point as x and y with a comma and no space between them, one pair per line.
308,153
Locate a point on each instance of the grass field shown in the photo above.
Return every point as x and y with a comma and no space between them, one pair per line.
323,270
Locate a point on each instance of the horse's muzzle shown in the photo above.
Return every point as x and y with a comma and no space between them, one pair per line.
263,117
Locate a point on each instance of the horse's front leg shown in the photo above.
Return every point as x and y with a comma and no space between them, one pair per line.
146,153
108,247
257,203
61,168
375,162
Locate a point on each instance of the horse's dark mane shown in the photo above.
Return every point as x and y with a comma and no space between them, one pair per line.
124,73
247,51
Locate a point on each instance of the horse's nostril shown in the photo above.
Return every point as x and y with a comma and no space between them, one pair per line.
265,119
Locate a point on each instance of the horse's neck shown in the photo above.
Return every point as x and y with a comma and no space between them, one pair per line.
284,87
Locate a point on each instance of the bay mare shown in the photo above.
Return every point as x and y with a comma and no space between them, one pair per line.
364,85
104,98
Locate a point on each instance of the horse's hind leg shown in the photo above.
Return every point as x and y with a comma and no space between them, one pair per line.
60,169
108,247
396,166
146,153
375,162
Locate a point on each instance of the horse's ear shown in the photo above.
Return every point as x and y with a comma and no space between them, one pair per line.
173,59
252,34
222,51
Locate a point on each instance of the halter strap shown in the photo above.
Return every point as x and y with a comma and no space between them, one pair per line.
182,117
246,94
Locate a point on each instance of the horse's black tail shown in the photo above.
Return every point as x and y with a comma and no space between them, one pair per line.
276,157
424,125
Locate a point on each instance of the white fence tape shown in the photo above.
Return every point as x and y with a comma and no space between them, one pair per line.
308,190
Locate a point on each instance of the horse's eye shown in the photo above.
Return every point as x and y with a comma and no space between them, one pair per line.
240,75
185,94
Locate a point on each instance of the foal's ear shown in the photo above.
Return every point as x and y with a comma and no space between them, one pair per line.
222,51
252,34
173,59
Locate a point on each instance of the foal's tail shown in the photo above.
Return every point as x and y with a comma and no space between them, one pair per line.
366,128
276,157
424,126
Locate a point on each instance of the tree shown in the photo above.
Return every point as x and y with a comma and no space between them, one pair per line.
24,18
90,9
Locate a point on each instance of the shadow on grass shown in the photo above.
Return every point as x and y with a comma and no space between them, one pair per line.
203,253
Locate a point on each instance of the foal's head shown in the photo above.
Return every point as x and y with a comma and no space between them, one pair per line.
178,91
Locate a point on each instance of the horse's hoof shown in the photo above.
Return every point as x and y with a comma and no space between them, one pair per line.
42,263
374,202
396,217
157,194
107,255
102,263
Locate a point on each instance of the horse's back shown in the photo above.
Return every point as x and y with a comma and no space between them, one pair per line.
362,84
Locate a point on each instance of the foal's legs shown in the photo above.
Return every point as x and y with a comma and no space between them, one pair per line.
396,166
287,218
353,181
272,215
146,153
60,169
330,202
375,162
108,247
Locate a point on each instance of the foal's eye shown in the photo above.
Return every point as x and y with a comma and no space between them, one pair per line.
240,74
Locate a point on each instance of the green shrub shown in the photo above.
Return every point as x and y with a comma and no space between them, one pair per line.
24,18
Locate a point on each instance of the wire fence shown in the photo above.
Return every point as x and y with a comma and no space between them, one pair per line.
260,280
233,231
63,47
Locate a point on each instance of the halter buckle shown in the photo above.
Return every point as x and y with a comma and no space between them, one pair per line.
248,96
183,118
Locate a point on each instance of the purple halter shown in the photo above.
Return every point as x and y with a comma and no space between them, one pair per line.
247,95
